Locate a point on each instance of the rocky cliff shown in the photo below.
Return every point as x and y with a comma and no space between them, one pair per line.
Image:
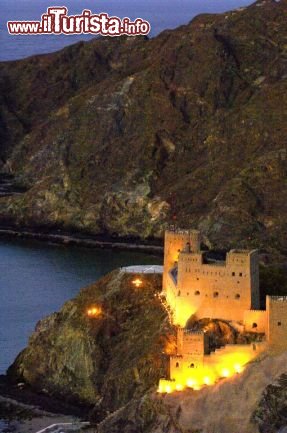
106,360
123,136
254,402
109,363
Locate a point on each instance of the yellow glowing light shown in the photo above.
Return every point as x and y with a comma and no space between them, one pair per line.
94,312
190,383
178,387
168,389
182,311
137,282
225,372
238,368
207,380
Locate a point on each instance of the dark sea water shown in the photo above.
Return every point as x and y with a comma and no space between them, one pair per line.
36,279
162,14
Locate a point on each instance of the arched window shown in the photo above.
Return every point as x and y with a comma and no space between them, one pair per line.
215,294
197,293
192,365
254,325
177,365
237,296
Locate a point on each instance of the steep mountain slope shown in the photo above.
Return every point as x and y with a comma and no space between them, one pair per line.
125,135
104,360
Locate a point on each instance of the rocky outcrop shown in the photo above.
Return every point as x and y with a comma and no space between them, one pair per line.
253,402
271,414
103,361
105,351
126,135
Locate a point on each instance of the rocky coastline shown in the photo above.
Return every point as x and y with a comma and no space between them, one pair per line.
59,237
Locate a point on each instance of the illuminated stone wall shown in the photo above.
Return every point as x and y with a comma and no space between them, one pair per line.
192,366
277,323
222,291
255,321
191,348
228,290
215,290
174,242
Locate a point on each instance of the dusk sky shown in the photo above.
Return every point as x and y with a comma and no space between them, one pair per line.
162,14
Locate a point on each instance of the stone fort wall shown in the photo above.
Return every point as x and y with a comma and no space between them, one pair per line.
175,241
277,323
255,321
219,290
191,348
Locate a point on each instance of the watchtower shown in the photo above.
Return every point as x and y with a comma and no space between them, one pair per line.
276,307
191,348
175,241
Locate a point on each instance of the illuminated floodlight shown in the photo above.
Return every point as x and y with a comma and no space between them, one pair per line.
207,380
94,312
137,282
225,372
168,389
238,368
190,383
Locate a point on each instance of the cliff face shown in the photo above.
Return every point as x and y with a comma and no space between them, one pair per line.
125,135
111,363
253,402
103,361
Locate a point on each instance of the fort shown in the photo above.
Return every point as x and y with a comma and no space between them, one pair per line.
197,284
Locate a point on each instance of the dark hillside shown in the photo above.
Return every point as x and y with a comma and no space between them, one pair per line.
125,135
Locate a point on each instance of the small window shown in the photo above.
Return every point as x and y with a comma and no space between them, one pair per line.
187,293
233,274
237,296
215,294
279,323
240,274
177,365
197,293
254,325
178,293
192,365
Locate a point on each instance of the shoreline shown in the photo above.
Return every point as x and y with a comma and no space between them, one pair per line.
17,417
27,396
66,238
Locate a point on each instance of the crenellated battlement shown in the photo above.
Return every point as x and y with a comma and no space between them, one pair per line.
176,230
206,287
278,298
196,283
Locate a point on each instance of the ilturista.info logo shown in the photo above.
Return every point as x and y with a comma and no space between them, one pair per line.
57,21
